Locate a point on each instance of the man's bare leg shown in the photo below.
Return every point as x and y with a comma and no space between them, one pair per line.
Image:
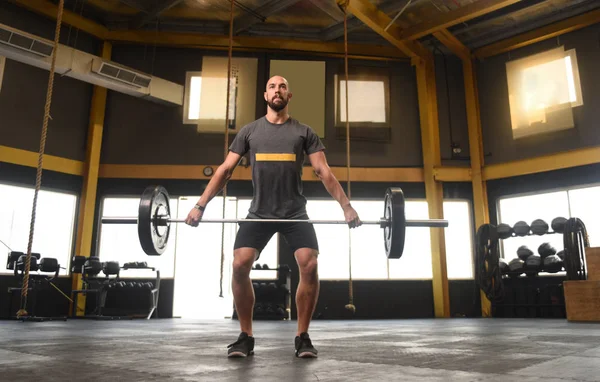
308,288
243,292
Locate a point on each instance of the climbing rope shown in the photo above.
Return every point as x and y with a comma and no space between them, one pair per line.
38,180
350,305
226,141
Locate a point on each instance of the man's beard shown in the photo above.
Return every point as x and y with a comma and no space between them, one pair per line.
278,106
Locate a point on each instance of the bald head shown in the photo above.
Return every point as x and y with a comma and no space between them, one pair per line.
276,81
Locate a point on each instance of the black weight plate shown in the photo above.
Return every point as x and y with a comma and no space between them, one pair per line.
394,233
154,203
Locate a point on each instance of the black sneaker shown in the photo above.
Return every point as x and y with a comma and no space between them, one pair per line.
304,347
243,347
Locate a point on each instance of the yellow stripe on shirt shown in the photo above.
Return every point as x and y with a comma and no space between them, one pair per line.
275,157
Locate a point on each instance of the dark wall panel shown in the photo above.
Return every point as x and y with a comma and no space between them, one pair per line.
495,111
23,94
44,27
160,137
452,111
22,102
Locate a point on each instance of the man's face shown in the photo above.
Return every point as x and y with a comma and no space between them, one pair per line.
277,94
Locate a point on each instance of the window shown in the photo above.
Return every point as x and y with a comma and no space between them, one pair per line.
54,224
368,100
120,242
543,89
368,252
567,203
205,96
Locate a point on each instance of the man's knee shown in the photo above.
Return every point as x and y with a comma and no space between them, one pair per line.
243,258
307,259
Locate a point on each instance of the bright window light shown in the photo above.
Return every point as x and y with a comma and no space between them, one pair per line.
366,101
543,89
194,102
54,224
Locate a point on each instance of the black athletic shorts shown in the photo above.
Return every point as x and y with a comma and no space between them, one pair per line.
257,235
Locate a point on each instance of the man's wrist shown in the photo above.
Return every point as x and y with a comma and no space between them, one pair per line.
199,207
346,205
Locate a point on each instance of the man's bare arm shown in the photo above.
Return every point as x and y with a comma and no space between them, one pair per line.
332,185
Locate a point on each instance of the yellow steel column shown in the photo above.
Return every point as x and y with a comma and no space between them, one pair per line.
480,202
428,109
85,222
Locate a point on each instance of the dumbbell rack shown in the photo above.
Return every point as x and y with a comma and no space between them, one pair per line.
272,297
43,271
539,297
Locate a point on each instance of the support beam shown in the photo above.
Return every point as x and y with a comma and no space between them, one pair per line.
219,42
557,161
480,202
452,174
337,30
541,34
357,174
87,203
428,111
457,16
249,43
266,10
50,10
375,19
144,18
30,159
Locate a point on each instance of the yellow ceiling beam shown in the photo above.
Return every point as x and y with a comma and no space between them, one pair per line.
50,10
452,43
378,21
250,43
550,31
219,42
457,16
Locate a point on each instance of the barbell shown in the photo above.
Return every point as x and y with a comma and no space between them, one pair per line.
154,221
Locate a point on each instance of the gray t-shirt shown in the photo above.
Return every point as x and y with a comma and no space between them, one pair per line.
277,157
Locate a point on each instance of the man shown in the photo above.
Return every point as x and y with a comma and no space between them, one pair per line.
277,144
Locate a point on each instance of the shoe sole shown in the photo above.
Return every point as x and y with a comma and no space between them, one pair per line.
307,355
237,354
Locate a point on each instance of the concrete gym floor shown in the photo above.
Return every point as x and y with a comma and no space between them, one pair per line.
390,350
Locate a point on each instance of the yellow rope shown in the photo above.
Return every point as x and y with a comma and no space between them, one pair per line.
226,148
38,181
350,305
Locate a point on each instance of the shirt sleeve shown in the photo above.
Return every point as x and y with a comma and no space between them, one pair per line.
312,143
240,142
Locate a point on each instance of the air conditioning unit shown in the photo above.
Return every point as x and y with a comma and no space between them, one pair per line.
120,73
24,42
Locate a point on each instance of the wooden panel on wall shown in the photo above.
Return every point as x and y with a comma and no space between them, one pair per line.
307,83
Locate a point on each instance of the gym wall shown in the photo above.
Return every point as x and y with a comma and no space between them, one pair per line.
498,141
150,127
23,94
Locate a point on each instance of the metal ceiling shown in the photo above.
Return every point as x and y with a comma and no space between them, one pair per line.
321,20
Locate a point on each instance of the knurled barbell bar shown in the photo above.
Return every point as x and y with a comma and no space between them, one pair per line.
155,218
